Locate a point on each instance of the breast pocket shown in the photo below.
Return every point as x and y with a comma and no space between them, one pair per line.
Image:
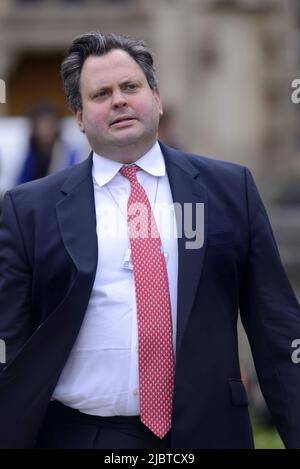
238,395
222,254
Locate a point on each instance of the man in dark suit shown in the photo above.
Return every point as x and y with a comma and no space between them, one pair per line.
96,358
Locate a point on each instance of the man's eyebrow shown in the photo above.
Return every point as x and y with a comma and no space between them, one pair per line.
137,80
123,82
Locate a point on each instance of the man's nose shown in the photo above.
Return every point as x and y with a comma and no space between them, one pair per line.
119,100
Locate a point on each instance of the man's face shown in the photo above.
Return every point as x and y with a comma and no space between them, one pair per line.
120,112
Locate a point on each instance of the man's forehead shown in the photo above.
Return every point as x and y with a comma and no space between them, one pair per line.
115,59
116,64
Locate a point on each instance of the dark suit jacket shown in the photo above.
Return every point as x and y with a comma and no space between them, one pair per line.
48,258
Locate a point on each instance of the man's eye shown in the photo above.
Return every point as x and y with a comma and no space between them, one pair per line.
100,94
132,86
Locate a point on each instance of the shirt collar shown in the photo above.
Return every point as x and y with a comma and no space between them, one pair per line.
105,169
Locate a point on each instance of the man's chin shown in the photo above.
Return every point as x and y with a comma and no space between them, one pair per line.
129,139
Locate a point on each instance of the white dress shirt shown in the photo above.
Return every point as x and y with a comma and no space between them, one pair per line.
101,376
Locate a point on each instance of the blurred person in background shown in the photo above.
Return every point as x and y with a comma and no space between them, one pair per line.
119,335
47,152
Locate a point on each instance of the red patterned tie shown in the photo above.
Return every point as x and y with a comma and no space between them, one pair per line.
156,358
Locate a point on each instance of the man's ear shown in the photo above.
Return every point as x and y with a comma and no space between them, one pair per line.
78,117
157,97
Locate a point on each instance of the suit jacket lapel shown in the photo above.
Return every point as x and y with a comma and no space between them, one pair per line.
77,218
185,190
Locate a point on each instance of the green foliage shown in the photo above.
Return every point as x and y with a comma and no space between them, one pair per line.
266,438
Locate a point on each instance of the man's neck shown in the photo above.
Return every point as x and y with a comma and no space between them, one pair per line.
125,155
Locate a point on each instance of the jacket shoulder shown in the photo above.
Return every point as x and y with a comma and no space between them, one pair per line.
207,166
50,185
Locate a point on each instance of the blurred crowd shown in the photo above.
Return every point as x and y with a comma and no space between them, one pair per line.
46,150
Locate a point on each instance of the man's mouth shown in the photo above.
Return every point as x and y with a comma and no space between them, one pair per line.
124,119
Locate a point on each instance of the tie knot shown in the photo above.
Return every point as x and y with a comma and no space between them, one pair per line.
130,171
